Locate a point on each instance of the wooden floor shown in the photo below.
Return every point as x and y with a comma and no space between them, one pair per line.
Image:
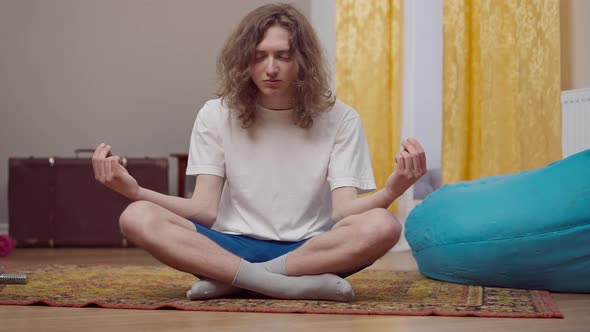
575,307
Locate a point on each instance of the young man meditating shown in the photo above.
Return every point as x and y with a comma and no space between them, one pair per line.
280,164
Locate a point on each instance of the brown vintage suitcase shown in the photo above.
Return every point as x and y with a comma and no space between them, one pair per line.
56,202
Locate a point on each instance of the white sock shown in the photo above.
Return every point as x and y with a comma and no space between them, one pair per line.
206,289
256,277
338,288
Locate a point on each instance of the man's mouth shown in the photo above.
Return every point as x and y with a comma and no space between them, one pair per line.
271,82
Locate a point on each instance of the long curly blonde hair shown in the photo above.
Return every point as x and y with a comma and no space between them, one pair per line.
238,91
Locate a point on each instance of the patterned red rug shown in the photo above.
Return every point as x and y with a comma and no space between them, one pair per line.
377,293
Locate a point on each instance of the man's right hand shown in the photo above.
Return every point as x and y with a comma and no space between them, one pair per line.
109,172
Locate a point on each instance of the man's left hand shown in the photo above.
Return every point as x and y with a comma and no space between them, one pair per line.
411,165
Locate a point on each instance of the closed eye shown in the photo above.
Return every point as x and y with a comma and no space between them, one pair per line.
284,55
259,56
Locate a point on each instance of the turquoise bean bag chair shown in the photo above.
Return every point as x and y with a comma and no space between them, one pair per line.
525,230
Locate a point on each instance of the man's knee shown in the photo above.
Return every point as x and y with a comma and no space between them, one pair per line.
136,217
381,228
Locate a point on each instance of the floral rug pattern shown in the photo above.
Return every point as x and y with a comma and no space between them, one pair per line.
377,293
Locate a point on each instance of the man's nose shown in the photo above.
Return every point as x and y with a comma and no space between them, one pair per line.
272,69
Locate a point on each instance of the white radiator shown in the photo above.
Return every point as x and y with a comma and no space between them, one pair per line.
575,110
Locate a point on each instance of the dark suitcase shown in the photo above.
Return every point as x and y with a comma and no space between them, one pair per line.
56,202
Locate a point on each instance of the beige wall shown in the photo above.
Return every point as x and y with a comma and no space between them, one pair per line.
575,44
133,73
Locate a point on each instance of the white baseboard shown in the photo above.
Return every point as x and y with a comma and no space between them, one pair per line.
3,229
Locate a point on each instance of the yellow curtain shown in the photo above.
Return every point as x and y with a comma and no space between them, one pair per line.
368,73
501,87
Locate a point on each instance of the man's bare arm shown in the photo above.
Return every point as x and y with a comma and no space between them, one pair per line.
411,165
201,207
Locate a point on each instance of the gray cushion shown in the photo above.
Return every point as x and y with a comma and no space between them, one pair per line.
427,184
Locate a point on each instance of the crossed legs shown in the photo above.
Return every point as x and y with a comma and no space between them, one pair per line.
355,242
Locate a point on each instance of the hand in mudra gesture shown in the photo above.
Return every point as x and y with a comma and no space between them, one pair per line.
411,166
109,171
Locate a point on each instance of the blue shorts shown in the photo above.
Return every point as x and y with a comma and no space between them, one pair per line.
250,249
254,250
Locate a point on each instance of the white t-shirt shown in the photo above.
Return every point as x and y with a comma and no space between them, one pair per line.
279,176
